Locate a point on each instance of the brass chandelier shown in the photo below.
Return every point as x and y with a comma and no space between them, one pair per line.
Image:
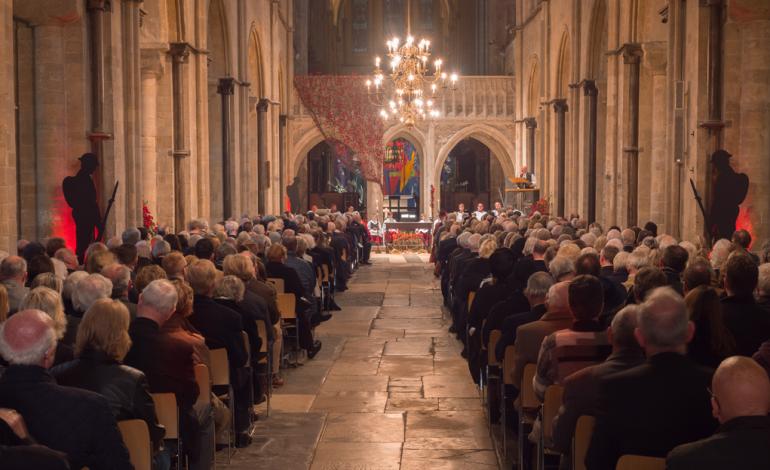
413,93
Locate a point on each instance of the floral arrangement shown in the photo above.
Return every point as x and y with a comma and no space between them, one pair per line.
432,200
542,205
147,220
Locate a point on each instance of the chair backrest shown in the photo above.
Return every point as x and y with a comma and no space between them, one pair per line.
247,345
471,298
640,462
584,429
508,361
262,331
278,283
167,413
286,305
528,398
220,368
325,271
203,379
551,404
494,337
136,437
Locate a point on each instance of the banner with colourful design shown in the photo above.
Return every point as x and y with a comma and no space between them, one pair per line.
401,169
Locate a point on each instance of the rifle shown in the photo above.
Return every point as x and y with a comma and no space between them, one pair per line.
703,211
103,222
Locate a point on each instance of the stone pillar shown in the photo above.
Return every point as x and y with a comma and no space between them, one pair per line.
560,108
592,93
282,162
180,52
632,55
226,88
263,172
133,188
531,124
152,69
8,202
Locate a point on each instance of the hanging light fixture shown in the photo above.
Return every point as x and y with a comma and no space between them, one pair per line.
413,91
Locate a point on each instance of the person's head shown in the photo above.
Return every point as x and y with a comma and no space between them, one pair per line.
88,163
28,338
652,228
621,331
557,299
127,255
160,249
705,311
675,258
697,273
637,260
13,268
185,294
741,274
239,266
157,301
620,261
290,243
202,275
487,247
537,288
628,237
104,328
647,279
204,249
763,282
98,260
230,287
589,264
719,253
48,301
131,236
49,280
276,254
742,238
120,276
90,289
480,207
562,268
538,249
608,254
501,263
174,265
663,323
147,274
53,245
586,297
739,387
66,256
70,284
39,264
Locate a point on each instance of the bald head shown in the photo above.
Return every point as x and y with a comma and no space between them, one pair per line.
663,323
28,338
741,387
557,298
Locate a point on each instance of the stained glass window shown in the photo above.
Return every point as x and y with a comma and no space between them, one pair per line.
359,26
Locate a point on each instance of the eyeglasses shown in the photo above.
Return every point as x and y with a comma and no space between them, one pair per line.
711,394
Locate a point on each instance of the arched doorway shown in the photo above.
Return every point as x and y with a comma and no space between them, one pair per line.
470,176
324,180
401,180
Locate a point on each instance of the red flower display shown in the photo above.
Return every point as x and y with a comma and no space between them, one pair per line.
340,107
147,219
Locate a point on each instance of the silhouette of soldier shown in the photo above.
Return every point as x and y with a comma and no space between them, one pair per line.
80,194
292,191
730,189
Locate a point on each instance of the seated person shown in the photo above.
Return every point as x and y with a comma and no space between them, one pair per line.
18,451
74,421
581,389
654,407
673,263
740,400
748,322
583,344
102,343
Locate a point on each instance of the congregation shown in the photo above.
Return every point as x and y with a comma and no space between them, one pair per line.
663,346
91,340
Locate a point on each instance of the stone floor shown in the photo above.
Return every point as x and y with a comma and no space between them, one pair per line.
388,390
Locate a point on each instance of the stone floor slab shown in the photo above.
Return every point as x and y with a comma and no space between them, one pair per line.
351,402
404,366
442,386
357,456
364,427
416,459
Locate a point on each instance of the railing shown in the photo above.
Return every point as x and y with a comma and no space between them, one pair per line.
487,97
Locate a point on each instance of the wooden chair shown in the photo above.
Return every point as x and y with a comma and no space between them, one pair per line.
549,409
492,375
220,377
136,437
265,359
640,462
203,379
286,307
528,406
168,415
506,373
277,283
584,429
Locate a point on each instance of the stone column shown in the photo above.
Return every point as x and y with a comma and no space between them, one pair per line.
282,162
632,55
133,188
531,124
180,52
560,108
263,176
152,69
226,88
591,92
8,200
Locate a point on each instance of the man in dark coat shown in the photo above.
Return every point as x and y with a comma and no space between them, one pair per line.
71,420
748,322
80,193
730,189
741,402
652,408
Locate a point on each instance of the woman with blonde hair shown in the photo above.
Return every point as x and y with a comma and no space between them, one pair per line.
49,301
50,280
102,343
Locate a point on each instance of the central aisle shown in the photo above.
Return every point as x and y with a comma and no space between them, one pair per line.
388,390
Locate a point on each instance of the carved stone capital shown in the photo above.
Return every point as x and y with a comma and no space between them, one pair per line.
560,106
226,86
589,88
632,53
262,105
179,51
530,123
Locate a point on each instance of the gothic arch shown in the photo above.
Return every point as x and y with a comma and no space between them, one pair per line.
256,65
563,70
413,135
299,151
597,34
533,90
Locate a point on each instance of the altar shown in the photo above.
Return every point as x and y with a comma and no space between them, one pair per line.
408,236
